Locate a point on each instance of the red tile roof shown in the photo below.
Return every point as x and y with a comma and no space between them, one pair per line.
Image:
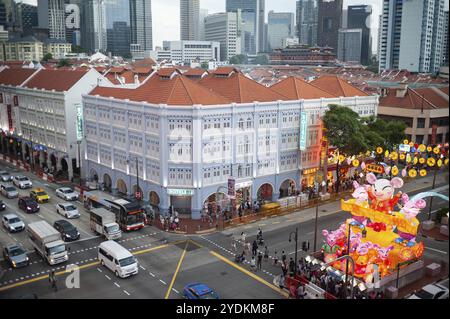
337,86
143,70
157,90
240,89
58,80
144,63
15,76
195,72
428,98
224,70
296,89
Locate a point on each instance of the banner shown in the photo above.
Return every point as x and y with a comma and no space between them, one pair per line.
303,130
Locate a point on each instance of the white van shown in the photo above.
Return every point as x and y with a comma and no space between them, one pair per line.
117,259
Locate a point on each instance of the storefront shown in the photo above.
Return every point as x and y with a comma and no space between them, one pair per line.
180,199
309,177
265,193
243,192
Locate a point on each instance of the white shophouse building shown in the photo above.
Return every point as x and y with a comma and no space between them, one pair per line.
189,136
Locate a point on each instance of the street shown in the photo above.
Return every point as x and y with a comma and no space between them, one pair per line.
168,261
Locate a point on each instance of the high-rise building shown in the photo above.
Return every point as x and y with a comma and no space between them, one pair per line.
445,47
329,22
253,20
350,45
118,27
359,17
192,51
141,26
93,26
411,35
307,12
225,29
189,20
201,24
73,15
28,16
52,16
8,15
281,25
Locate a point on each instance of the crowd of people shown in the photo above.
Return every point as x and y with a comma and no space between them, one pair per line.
171,221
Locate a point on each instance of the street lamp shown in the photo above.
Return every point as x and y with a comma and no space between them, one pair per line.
137,194
296,245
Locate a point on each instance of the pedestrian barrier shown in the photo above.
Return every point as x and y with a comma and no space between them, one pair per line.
44,176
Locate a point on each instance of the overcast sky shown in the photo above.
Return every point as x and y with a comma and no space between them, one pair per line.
166,15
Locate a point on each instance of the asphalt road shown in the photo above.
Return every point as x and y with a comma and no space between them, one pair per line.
168,261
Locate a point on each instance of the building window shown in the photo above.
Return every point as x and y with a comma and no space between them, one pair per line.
420,123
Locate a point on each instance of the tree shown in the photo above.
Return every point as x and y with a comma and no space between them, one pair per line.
391,133
205,65
78,49
64,63
239,59
47,56
261,59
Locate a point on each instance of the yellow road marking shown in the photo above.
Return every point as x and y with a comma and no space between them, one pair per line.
29,281
248,273
176,270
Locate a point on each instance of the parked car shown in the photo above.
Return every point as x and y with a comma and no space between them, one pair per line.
40,195
68,231
67,210
431,291
199,291
2,205
5,176
22,182
13,223
28,205
9,191
66,193
16,255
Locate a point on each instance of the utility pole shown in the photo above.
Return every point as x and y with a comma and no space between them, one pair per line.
138,189
296,245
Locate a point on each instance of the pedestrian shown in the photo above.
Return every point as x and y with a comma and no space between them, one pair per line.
292,267
301,291
260,257
254,248
283,256
253,263
275,258
52,280
266,253
234,246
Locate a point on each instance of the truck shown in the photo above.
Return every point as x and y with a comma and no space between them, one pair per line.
47,242
103,222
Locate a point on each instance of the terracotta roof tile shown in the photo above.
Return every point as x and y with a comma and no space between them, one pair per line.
167,72
296,89
15,76
195,72
58,80
428,98
224,70
240,89
337,86
175,91
144,63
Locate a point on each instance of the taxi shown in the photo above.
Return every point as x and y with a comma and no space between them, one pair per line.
39,195
199,291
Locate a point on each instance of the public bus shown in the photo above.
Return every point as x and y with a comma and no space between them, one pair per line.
129,214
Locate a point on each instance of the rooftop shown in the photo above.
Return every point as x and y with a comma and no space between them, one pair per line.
15,76
296,89
58,80
337,86
426,98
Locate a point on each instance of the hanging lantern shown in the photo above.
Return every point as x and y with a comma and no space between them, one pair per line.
411,144
379,150
415,160
355,163
416,146
412,173
349,161
423,172
446,161
408,158
402,157
405,142
431,161
421,160
394,156
439,163
386,154
404,172
394,171
422,148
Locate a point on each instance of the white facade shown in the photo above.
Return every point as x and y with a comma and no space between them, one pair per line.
187,51
186,153
412,35
224,28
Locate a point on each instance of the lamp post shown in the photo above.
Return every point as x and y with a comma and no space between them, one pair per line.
432,187
296,245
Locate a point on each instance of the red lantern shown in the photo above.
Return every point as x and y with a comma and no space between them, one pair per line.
416,146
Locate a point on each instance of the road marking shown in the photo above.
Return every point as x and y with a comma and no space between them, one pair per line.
176,270
176,290
248,273
164,283
109,278
142,268
151,274
117,285
436,250
126,292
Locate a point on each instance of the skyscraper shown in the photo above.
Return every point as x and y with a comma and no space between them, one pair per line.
307,12
445,47
52,16
350,45
224,28
93,25
253,20
329,21
141,26
118,27
201,27
189,20
281,26
359,17
411,35
28,16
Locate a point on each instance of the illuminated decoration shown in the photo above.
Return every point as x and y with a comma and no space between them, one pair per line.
421,160
379,169
379,150
404,173
408,158
412,173
405,142
429,149
436,150
431,161
423,172
394,171
386,154
439,163
355,163
411,144
402,157
415,160
341,158
422,148
446,161
394,156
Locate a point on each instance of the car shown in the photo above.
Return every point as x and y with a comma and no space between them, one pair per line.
2,205
66,193
9,191
199,291
13,223
5,176
431,291
68,231
40,195
16,255
22,182
68,210
28,205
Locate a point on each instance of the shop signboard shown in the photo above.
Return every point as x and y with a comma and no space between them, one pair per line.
404,148
79,122
303,130
180,192
231,187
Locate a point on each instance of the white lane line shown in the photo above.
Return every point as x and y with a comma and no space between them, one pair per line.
176,290
436,250
99,270
163,281
107,277
151,274
117,285
126,292
142,268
